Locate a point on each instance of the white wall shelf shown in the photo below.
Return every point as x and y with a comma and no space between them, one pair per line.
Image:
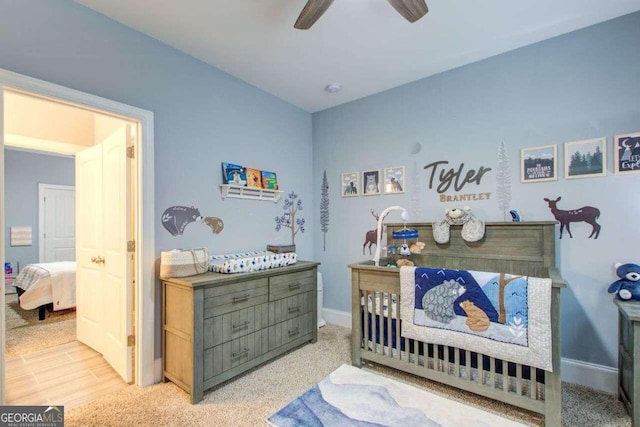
251,193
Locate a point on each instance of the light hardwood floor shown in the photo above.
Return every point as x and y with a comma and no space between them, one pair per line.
68,375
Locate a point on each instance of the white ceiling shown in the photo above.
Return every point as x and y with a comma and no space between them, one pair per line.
365,45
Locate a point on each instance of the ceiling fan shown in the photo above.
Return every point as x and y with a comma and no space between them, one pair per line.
411,10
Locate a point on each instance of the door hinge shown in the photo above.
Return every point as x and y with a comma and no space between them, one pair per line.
131,340
131,246
131,151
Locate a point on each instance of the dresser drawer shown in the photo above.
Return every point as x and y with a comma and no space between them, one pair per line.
234,353
286,285
288,308
229,326
217,303
290,330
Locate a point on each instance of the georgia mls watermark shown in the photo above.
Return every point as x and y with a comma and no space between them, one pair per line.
31,416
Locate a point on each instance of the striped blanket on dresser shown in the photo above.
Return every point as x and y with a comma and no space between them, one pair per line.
500,315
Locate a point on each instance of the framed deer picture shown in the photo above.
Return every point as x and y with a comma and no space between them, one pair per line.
350,184
394,180
626,153
586,158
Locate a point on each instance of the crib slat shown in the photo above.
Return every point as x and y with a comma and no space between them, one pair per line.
456,363
492,372
398,326
436,357
416,353
367,337
519,379
505,376
467,365
389,330
445,364
380,312
374,325
534,383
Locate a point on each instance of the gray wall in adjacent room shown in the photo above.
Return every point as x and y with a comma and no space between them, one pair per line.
23,171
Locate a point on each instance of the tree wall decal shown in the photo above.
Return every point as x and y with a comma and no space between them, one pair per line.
324,210
288,220
503,180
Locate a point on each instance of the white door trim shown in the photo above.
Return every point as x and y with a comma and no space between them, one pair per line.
145,323
41,189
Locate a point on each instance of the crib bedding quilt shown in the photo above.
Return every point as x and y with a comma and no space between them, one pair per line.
46,283
246,262
499,315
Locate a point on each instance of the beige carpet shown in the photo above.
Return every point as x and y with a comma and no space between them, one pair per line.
26,334
250,399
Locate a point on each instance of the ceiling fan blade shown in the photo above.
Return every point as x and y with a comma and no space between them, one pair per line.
412,10
312,11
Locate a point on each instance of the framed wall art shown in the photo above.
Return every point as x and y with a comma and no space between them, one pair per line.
626,153
371,182
394,180
586,158
539,163
350,184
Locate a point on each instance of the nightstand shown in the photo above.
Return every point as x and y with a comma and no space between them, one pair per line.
629,357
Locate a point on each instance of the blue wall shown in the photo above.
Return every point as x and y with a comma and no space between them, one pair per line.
23,172
203,117
577,86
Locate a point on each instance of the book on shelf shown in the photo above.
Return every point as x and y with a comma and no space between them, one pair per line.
234,174
254,178
269,180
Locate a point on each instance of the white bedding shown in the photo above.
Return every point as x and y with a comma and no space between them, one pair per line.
46,283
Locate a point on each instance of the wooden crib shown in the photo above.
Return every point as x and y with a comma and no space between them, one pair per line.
521,248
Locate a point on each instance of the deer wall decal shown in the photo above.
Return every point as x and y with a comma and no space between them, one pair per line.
587,214
372,235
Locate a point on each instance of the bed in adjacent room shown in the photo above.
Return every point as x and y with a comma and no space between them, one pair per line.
47,283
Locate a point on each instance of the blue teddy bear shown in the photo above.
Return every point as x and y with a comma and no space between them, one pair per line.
628,287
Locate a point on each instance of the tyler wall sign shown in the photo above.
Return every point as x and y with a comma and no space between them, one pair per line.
456,177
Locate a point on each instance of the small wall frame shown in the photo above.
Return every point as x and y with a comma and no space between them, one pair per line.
394,180
371,182
586,158
626,154
539,164
350,184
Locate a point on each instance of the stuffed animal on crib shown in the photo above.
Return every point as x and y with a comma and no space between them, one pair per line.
628,287
416,248
404,250
472,228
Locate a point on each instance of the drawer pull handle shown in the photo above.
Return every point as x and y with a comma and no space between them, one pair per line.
241,298
241,354
293,309
244,324
294,287
294,332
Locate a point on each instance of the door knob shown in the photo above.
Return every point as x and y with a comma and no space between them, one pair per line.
97,260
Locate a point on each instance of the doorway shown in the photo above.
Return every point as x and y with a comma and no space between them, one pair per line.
142,205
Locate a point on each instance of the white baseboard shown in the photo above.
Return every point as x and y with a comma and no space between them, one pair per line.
338,318
591,375
157,370
598,377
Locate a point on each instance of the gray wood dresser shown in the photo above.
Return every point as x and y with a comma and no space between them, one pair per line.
216,326
629,357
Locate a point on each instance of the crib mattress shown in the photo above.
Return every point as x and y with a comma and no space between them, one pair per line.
246,262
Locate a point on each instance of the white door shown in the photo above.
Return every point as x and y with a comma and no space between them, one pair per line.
57,223
103,279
